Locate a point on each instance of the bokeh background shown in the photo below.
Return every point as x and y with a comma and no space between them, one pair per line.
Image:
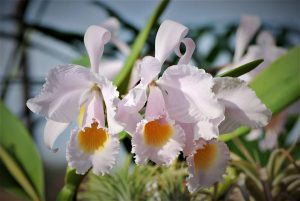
36,36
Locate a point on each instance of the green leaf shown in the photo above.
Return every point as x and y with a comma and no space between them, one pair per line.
122,79
277,86
241,70
17,173
20,156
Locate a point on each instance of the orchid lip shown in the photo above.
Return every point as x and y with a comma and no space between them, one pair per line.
93,138
157,132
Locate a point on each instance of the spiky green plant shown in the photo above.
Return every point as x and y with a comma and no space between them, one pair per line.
150,182
278,179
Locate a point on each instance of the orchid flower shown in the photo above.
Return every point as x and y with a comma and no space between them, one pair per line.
266,49
171,99
157,137
206,164
70,90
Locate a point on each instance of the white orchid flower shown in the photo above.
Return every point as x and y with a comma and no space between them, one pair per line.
207,164
265,48
182,94
71,87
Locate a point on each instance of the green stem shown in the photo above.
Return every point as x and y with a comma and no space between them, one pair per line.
72,183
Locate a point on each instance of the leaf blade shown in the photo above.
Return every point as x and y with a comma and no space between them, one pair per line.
241,70
22,150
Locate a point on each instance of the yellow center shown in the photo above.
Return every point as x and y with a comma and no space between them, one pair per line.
92,139
157,134
205,158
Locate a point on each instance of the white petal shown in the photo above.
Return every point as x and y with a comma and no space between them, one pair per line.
62,93
248,27
76,158
129,107
273,130
95,38
113,25
164,155
110,68
265,38
104,160
150,68
189,138
189,96
254,134
51,132
169,36
242,107
206,130
189,50
111,99
155,107
134,76
94,110
207,176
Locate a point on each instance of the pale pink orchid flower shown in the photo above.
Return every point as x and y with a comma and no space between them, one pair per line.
265,48
72,89
208,158
170,100
206,164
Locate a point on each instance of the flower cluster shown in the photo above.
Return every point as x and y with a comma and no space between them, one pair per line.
180,109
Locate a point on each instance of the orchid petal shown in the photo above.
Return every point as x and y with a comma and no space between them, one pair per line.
94,39
129,107
113,25
265,38
94,110
169,36
207,167
189,137
104,160
150,68
77,159
248,27
254,134
189,50
242,107
62,94
134,76
128,118
273,130
51,132
155,104
189,97
206,130
110,68
110,96
163,155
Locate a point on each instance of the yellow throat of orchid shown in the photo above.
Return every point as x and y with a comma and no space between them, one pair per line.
92,139
205,158
157,134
